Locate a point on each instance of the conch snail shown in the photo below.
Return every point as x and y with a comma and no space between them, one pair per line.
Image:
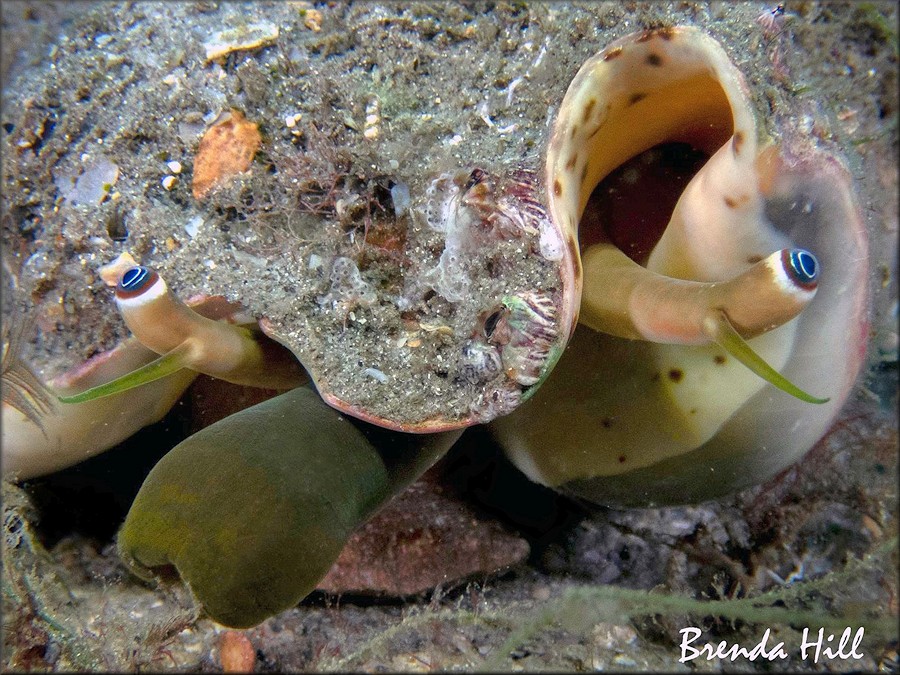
661,395
655,390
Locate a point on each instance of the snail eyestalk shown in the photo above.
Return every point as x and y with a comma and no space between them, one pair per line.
186,339
624,299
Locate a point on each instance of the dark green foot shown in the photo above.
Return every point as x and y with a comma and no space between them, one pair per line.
253,510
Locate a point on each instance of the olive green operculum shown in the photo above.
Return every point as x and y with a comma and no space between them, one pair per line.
253,510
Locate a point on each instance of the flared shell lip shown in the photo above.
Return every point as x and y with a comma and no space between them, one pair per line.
721,67
430,425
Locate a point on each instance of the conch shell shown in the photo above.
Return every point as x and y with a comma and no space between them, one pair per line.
661,395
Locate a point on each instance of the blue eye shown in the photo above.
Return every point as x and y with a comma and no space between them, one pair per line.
802,267
135,281
135,278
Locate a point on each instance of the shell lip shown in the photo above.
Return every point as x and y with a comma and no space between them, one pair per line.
431,425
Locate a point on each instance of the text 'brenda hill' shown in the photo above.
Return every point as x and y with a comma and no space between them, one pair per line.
812,648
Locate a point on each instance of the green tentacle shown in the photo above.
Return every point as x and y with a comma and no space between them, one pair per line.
165,365
719,329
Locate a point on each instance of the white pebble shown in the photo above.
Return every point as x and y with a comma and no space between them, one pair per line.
400,197
168,182
174,166
192,227
376,374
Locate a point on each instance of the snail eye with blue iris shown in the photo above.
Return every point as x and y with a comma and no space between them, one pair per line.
135,282
801,267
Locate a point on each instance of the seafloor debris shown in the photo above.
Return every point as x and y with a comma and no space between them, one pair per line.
240,38
97,177
226,149
421,539
236,652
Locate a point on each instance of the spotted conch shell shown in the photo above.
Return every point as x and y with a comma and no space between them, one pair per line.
662,394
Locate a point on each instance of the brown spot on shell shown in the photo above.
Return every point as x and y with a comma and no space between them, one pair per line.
753,259
737,141
719,359
573,247
557,188
612,54
734,202
574,131
584,170
589,108
655,377
635,98
603,117
621,459
606,422
666,32
570,165
654,59
676,375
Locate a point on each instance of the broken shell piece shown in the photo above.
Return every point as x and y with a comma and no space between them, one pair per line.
226,149
99,174
236,652
240,38
112,272
651,414
312,19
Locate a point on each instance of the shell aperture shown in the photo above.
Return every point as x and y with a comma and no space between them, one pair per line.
667,86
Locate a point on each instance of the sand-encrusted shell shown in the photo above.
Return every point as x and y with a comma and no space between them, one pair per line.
469,324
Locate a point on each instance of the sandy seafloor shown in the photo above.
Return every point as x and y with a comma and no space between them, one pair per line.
129,81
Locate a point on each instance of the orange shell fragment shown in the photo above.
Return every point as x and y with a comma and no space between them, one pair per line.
226,149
